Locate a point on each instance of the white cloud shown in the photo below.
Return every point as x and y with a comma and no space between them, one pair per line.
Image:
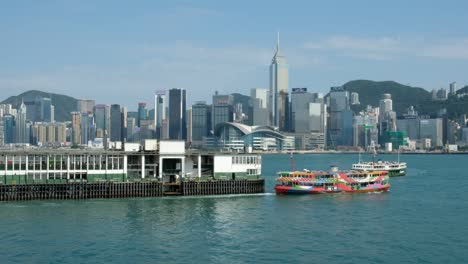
379,48
452,49
389,48
354,43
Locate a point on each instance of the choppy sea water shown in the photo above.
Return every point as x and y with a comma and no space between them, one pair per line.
423,219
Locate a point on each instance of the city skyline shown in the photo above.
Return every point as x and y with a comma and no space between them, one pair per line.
186,45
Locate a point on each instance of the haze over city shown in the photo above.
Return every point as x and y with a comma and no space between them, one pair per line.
121,52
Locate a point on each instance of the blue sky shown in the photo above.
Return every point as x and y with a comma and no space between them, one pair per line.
122,51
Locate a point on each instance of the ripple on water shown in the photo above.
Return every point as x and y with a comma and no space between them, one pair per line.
421,220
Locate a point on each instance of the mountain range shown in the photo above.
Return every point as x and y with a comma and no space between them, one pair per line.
369,92
404,96
64,104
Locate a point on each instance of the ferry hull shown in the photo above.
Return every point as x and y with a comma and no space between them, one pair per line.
396,173
280,189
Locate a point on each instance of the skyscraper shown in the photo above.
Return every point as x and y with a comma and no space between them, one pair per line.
201,122
260,106
222,109
20,125
115,123
300,117
102,120
189,125
340,126
142,113
453,88
76,128
387,117
9,129
2,130
160,117
354,100
279,87
85,106
131,123
47,109
177,112
88,128
123,117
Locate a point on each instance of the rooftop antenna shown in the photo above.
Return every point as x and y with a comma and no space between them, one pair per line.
277,40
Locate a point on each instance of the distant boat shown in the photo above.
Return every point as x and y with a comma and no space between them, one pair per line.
394,168
334,181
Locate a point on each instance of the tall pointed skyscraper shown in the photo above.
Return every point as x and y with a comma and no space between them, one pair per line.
279,87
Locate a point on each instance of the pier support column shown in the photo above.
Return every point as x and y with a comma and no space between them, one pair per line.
47,166
107,164
199,166
183,168
125,163
68,167
160,167
26,161
142,166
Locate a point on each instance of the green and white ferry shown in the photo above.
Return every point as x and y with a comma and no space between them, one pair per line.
394,168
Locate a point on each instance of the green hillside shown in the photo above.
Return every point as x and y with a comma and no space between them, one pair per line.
64,105
463,90
403,96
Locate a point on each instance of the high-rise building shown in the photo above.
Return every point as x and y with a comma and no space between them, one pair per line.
300,116
20,125
142,113
242,108
50,131
284,111
123,130
432,129
318,118
146,129
45,109
441,94
222,110
39,134
189,125
387,117
88,128
453,88
60,133
76,128
9,129
115,123
85,106
279,87
31,111
340,125
354,99
131,124
2,131
260,106
385,104
365,128
201,122
177,112
160,117
102,120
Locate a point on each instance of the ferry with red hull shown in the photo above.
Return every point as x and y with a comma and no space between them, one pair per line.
334,181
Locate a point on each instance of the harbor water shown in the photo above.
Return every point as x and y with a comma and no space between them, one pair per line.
423,219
